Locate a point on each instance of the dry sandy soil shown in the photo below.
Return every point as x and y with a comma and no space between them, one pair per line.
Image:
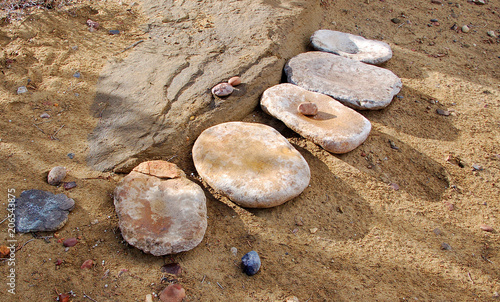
370,227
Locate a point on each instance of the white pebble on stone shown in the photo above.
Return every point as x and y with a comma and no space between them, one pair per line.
160,212
336,128
351,46
307,108
252,164
56,175
222,89
355,84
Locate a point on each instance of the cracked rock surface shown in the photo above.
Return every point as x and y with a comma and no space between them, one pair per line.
157,100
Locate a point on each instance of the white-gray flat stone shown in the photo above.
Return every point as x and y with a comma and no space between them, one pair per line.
252,164
160,211
335,127
351,46
355,84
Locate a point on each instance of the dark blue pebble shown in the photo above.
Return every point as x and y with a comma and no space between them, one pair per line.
251,263
434,20
77,74
400,97
114,32
71,155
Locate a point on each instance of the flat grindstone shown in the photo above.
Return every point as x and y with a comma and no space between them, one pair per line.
335,127
159,214
252,164
41,211
355,84
351,46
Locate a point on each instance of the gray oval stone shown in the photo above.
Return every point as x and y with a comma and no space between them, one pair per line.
252,164
351,46
355,84
335,127
41,211
160,211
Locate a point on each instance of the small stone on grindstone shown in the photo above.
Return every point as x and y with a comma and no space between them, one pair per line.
335,127
355,84
307,108
222,89
159,214
234,81
351,46
41,211
251,263
252,164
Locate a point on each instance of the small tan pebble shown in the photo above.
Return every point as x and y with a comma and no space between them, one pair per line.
56,175
172,293
465,29
307,108
313,230
222,89
491,34
486,228
149,298
234,81
292,299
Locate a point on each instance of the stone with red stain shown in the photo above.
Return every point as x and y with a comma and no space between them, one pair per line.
160,211
173,293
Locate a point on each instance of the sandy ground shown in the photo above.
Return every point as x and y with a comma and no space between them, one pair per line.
370,227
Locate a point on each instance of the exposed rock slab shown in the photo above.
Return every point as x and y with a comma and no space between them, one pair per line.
154,99
252,164
160,212
351,46
335,127
41,211
355,84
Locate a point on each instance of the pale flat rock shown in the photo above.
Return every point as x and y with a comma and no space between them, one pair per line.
335,127
252,164
355,84
160,169
160,216
351,46
41,211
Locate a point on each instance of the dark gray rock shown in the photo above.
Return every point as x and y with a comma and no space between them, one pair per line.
39,211
251,263
153,100
355,84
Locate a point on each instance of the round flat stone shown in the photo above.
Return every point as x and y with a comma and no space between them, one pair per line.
335,127
41,211
351,46
160,215
252,164
355,84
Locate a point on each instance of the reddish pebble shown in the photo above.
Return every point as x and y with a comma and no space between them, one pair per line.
234,81
172,268
70,242
173,293
69,185
63,297
4,251
486,228
437,1
222,89
308,108
59,261
87,264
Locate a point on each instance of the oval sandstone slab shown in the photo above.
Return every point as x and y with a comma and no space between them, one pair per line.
252,164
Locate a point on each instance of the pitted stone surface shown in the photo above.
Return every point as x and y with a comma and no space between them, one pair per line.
351,46
41,211
252,164
160,215
355,84
335,127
